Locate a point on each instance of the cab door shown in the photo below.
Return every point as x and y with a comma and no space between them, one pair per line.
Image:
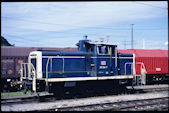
113,60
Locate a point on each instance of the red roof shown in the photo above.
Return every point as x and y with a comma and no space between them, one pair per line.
146,52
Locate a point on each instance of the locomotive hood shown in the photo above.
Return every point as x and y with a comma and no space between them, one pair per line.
63,53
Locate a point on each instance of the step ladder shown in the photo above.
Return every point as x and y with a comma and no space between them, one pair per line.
138,80
28,72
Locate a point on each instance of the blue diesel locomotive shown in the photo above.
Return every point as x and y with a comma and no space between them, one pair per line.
96,65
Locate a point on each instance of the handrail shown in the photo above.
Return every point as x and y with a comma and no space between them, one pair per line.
21,73
31,68
47,71
34,69
34,78
63,65
115,57
142,64
61,71
142,72
125,67
23,67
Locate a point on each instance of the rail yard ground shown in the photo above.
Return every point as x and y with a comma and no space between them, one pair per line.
66,104
14,94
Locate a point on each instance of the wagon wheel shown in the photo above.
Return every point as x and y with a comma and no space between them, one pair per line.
25,89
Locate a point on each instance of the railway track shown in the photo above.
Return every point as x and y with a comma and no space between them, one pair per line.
26,99
133,102
145,89
42,97
135,105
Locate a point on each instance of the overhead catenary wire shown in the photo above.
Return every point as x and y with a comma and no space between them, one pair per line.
120,44
85,27
54,24
22,40
150,5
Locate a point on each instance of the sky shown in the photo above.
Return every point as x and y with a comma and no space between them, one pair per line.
63,24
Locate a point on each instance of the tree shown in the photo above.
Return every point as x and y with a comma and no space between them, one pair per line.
4,42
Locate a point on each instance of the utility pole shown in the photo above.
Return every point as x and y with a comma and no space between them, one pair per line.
124,44
108,38
132,47
143,44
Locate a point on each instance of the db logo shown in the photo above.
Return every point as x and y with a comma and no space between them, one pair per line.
103,62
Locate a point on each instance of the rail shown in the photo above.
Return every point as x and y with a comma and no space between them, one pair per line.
129,105
43,95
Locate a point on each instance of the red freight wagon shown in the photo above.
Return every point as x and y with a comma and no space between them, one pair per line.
155,61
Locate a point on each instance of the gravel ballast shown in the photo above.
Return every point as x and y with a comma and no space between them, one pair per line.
81,101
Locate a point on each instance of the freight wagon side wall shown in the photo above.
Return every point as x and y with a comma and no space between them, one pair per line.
155,60
10,66
153,65
7,67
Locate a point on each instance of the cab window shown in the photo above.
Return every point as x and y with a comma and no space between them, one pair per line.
90,48
103,50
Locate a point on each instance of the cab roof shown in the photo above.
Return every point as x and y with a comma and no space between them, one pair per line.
101,43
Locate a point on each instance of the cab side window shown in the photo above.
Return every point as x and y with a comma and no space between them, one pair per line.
91,48
103,50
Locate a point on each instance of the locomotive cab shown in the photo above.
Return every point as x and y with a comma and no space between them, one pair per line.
97,48
103,57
